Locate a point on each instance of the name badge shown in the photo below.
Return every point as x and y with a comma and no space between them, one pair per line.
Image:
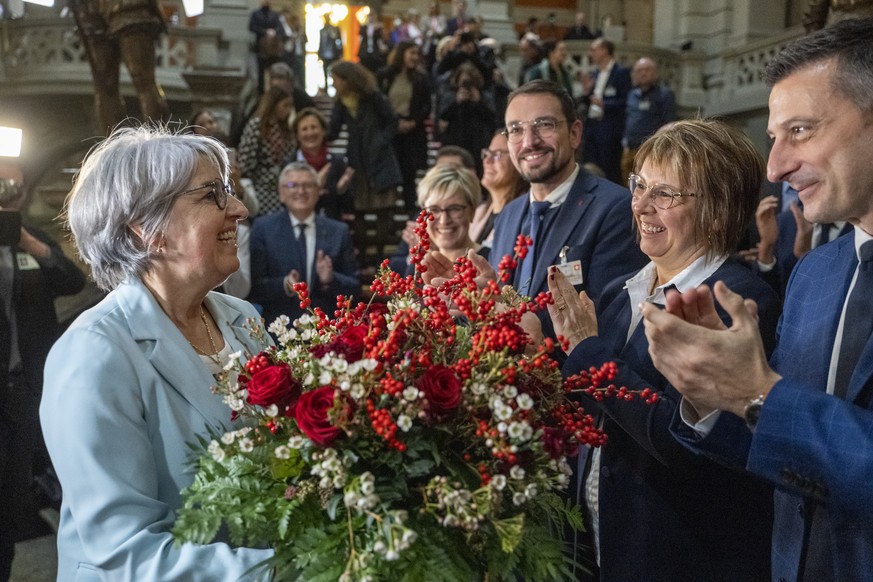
26,262
571,270
645,105
610,92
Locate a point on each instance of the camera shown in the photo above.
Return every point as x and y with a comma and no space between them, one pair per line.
10,227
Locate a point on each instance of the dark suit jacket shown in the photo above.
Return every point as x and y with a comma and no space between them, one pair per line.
815,447
274,255
34,291
594,222
601,138
667,513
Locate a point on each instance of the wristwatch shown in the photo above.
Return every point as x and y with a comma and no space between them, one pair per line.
752,411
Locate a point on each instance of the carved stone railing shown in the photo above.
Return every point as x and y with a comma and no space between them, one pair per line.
734,84
46,55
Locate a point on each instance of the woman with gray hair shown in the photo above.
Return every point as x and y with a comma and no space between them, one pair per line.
128,385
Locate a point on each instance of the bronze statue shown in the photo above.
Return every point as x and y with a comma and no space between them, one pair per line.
122,30
816,15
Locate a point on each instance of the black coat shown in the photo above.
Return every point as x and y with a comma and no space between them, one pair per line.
412,144
371,135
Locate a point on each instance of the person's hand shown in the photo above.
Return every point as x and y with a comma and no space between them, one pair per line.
323,268
587,83
768,229
533,327
749,256
322,178
475,95
697,306
443,125
345,180
291,279
713,368
803,238
408,235
572,314
439,268
463,94
33,246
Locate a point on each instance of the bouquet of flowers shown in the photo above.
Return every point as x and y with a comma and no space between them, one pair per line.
407,440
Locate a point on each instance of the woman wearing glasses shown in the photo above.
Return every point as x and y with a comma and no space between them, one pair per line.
503,183
450,193
127,387
658,511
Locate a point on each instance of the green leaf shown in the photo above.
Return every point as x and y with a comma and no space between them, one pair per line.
282,469
509,531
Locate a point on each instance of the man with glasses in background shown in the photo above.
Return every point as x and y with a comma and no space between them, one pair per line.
576,220
296,245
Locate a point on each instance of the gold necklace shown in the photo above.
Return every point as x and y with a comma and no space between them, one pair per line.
214,355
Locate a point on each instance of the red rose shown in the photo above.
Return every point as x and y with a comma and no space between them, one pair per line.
442,389
350,343
273,385
312,415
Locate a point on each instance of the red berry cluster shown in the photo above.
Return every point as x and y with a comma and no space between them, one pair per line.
384,425
302,291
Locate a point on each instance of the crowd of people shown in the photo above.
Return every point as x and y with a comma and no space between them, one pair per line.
751,464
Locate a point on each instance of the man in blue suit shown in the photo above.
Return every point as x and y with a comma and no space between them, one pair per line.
296,245
585,221
804,421
605,91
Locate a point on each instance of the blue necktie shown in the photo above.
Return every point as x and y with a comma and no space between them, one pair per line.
537,212
858,322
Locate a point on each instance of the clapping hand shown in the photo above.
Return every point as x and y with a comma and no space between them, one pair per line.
572,314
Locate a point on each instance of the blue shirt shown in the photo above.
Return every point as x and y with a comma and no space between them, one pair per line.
646,112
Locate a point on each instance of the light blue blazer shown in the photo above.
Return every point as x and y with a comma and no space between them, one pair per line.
124,394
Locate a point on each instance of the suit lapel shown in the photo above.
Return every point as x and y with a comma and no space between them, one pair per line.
168,351
569,216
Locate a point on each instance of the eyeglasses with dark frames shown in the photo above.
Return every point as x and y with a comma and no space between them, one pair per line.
661,196
542,127
455,211
219,191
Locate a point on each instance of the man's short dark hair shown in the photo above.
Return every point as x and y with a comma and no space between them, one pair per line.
541,87
848,43
465,156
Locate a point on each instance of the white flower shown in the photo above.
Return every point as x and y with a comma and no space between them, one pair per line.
498,482
369,364
530,491
340,365
379,547
518,498
287,336
345,385
525,402
296,442
516,473
228,438
216,451
391,555
404,423
246,445
306,335
502,412
272,410
357,392
324,378
304,319
278,326
309,380
478,388
510,392
236,403
520,430
410,393
282,452
501,427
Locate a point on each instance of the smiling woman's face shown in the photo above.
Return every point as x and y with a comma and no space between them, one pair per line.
666,236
